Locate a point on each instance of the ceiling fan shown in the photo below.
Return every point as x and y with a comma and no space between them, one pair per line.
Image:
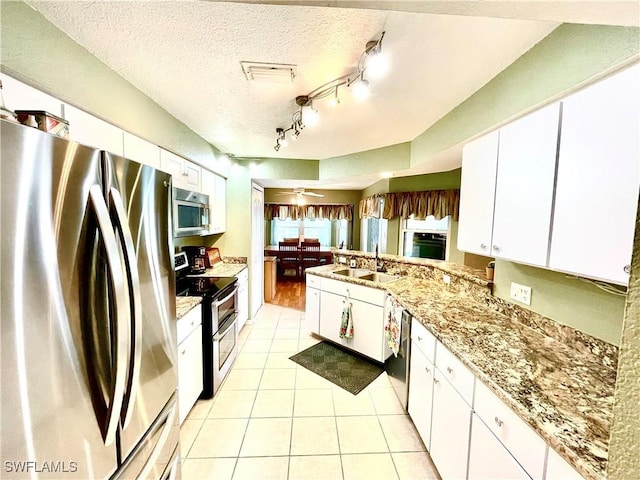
299,193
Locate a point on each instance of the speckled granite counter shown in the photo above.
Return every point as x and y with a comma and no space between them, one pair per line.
223,269
564,393
185,304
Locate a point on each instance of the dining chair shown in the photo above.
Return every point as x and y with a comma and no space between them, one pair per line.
309,255
289,258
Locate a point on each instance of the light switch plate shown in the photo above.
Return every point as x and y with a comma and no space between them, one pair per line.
446,278
342,259
521,293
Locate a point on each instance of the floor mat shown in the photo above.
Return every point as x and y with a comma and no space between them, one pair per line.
345,369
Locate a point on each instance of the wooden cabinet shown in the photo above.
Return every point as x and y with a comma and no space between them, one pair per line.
507,189
186,174
488,458
91,131
559,469
312,307
138,149
190,375
477,194
450,429
421,371
243,298
598,180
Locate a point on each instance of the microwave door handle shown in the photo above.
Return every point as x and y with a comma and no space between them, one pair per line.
221,301
131,263
118,314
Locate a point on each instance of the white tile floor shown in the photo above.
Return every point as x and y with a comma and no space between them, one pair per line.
273,419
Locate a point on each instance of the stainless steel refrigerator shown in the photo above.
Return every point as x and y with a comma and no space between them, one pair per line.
89,361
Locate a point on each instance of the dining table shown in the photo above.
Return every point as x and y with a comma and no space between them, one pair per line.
274,251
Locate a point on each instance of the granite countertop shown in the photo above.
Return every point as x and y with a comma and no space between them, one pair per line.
223,269
565,394
185,304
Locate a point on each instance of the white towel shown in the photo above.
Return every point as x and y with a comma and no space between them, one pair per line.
346,324
393,327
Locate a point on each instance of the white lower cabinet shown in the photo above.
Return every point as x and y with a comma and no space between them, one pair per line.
559,469
488,458
190,374
421,393
450,429
312,309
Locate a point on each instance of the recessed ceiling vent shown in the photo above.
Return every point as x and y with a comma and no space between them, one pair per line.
269,72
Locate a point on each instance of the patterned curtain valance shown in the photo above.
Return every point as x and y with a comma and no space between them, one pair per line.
438,203
282,211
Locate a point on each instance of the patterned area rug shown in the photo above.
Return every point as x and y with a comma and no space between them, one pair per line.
343,368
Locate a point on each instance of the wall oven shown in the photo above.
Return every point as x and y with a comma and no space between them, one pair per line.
190,213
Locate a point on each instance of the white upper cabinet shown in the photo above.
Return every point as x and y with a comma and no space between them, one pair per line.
598,179
91,131
219,210
524,187
477,191
186,174
19,96
135,148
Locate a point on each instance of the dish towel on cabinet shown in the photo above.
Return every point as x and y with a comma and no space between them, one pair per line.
393,326
346,325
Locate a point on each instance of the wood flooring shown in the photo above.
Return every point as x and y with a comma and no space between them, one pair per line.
290,294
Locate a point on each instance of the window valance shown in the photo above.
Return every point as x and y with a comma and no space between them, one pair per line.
282,211
438,203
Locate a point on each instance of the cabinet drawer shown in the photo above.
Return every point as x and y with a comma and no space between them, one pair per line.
523,443
356,292
189,323
423,339
455,372
313,281
243,276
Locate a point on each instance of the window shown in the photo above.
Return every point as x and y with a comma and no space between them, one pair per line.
374,232
424,238
322,229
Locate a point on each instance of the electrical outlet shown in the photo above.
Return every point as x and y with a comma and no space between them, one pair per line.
342,259
446,278
521,293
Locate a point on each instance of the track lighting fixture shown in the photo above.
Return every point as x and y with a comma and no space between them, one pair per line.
306,114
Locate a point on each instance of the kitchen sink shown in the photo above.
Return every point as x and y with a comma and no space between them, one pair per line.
353,272
378,277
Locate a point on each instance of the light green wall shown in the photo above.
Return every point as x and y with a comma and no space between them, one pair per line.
433,181
571,55
36,52
391,158
569,301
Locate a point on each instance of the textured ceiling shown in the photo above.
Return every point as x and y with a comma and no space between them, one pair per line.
186,56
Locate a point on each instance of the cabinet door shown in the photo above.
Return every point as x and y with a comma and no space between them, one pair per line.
421,393
243,303
559,469
488,458
192,175
367,324
208,187
477,191
220,207
312,310
450,428
173,165
91,131
189,372
524,187
20,96
135,148
598,179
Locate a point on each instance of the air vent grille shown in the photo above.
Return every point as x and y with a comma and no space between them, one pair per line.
269,72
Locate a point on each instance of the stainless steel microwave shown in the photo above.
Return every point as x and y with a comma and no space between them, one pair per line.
190,213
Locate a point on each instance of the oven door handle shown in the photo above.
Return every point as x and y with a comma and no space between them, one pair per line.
217,303
232,324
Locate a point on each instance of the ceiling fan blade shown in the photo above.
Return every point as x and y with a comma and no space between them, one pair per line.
313,194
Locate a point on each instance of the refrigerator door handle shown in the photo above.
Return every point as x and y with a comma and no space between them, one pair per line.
131,263
164,436
119,370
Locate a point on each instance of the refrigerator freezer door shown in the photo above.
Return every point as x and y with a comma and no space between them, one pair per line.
57,380
145,195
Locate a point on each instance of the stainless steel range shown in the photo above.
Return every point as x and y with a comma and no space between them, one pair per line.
219,321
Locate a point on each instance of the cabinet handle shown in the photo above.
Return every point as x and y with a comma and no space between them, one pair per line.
419,338
627,269
436,381
449,370
183,351
496,248
427,369
498,421
483,246
193,323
